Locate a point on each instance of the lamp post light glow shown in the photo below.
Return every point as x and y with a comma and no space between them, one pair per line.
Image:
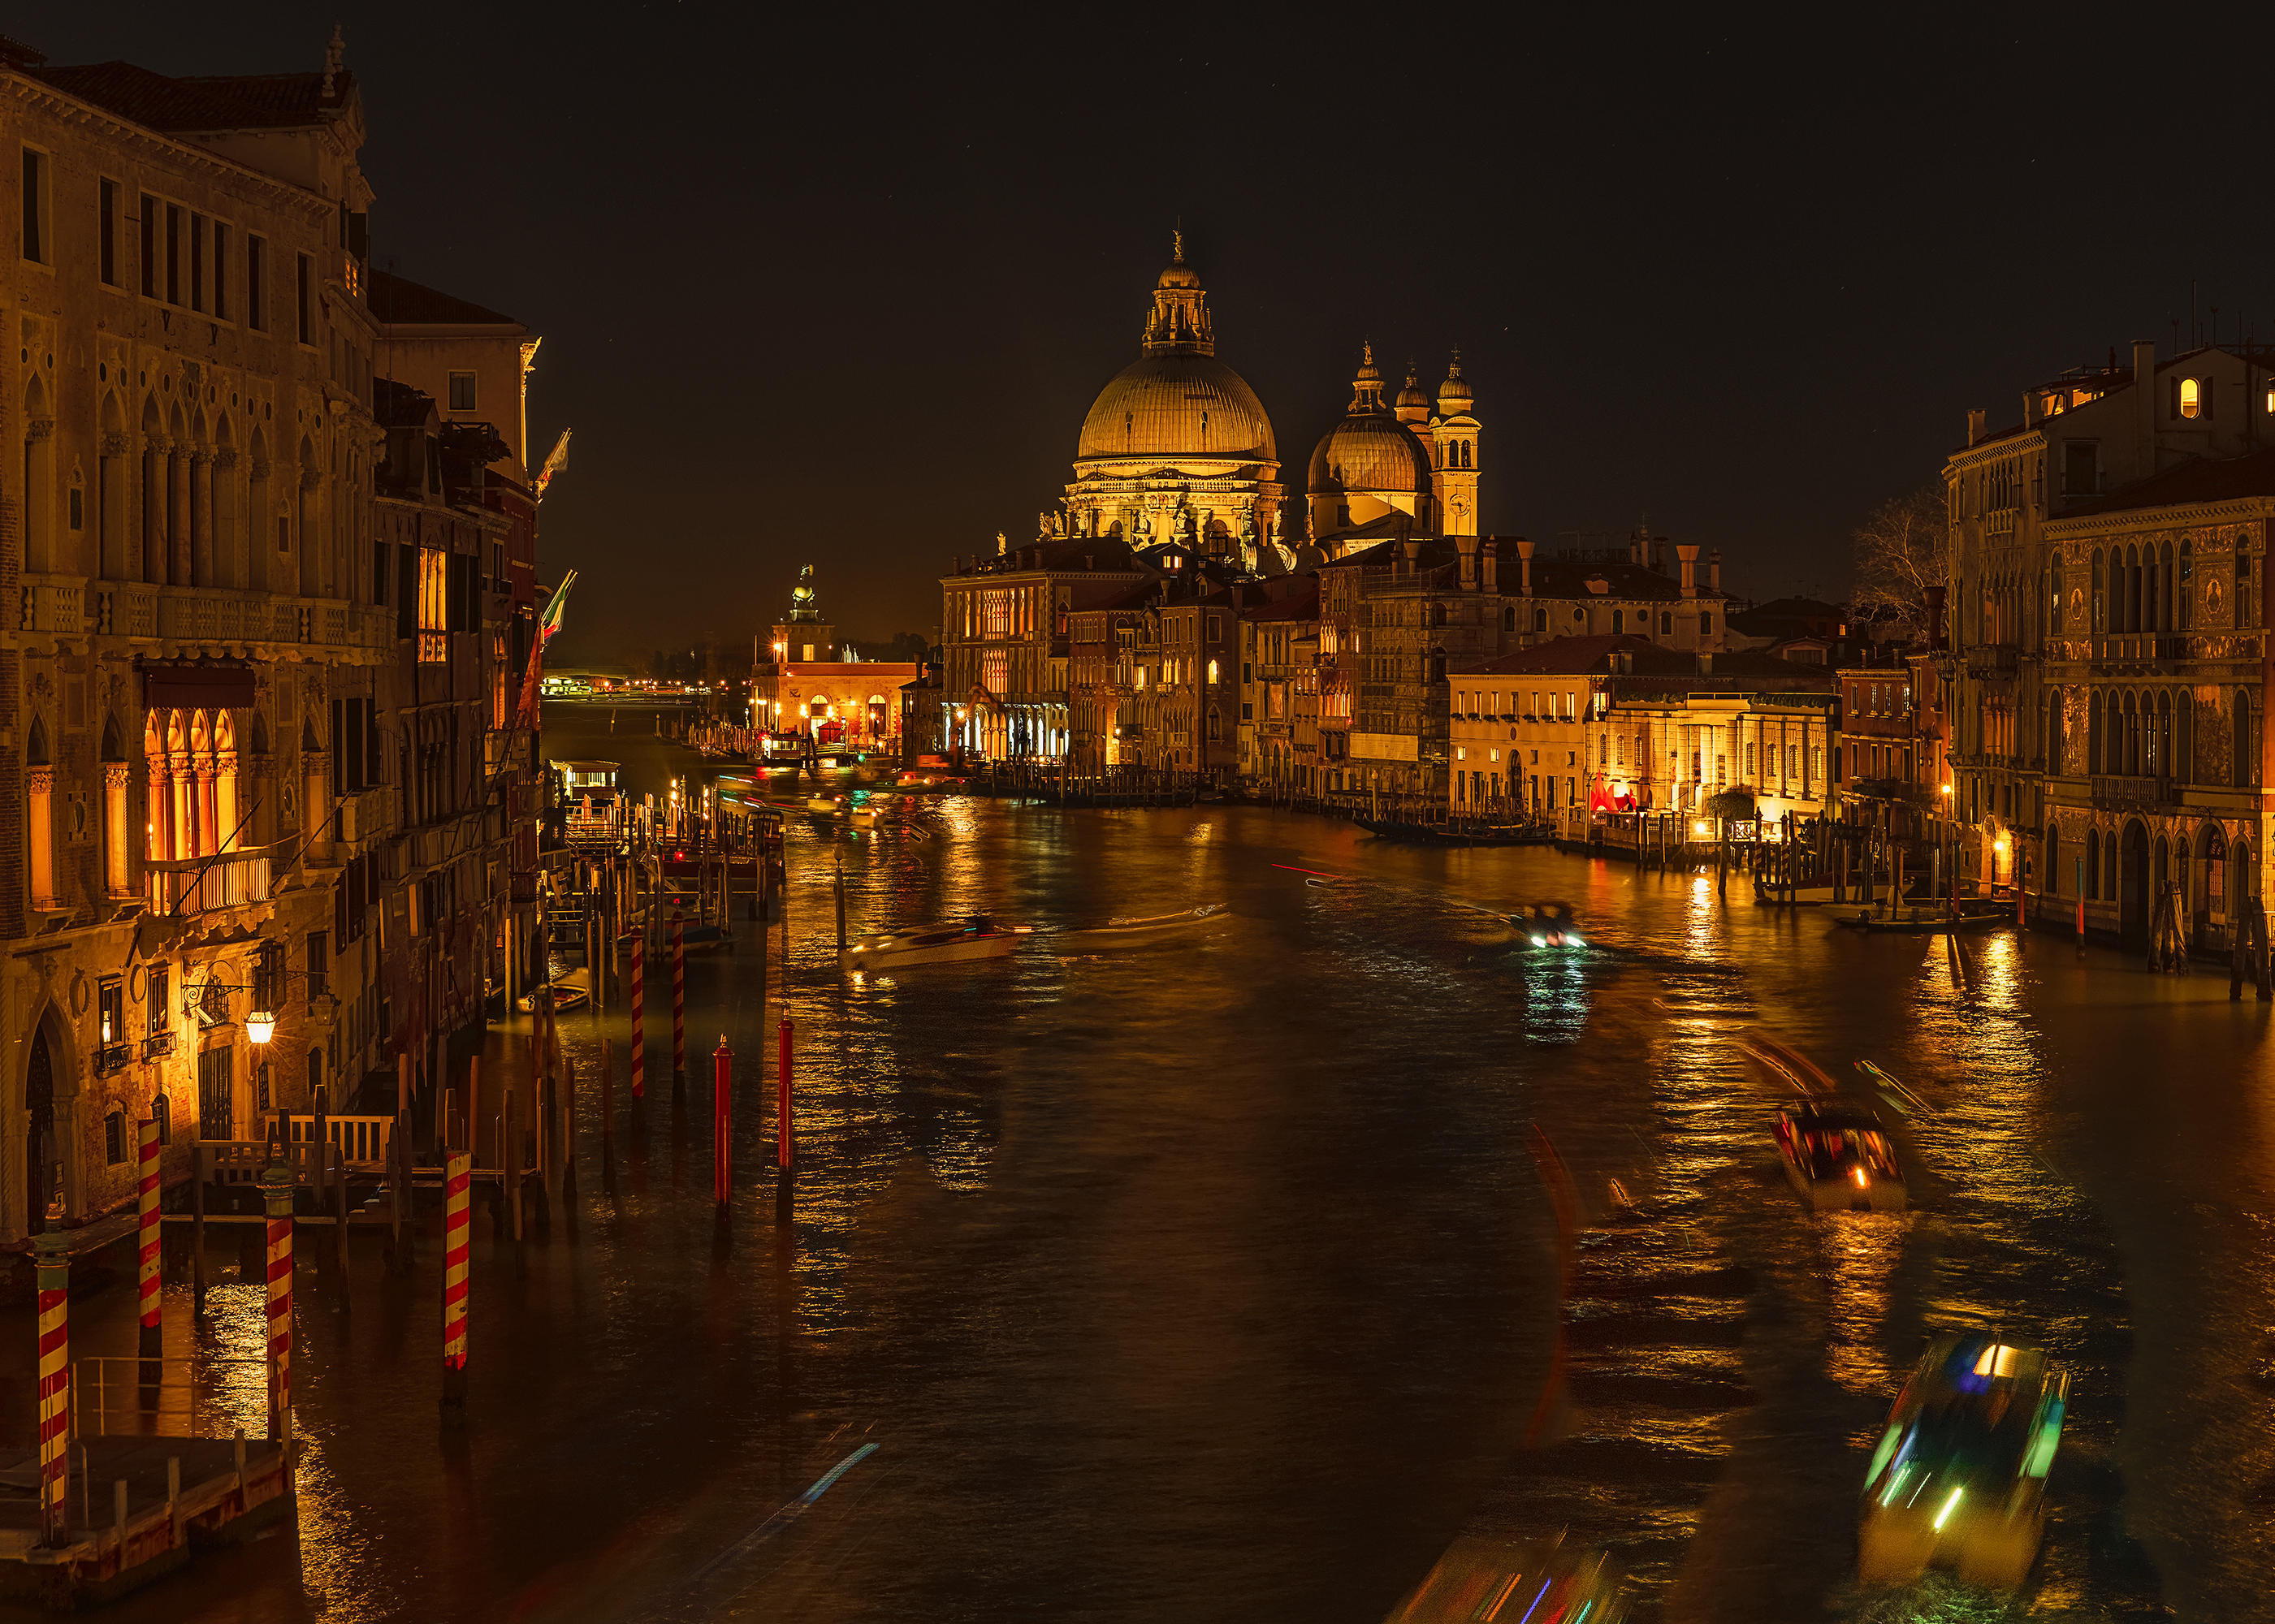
260,1026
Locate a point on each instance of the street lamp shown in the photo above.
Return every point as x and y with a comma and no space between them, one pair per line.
260,1025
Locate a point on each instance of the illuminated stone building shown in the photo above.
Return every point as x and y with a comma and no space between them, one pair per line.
1280,690
1176,447
2108,664
188,527
1591,723
804,684
222,778
1381,460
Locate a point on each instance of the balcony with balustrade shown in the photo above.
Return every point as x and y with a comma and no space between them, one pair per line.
196,617
180,887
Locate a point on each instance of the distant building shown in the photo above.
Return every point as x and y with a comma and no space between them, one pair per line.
807,684
1616,723
1280,690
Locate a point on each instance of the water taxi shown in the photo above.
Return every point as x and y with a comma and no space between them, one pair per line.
825,805
978,937
1837,1157
1958,1479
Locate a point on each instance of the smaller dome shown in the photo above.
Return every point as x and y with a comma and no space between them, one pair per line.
1370,453
1413,394
1453,396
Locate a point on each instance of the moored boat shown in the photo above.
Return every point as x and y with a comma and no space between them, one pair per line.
978,937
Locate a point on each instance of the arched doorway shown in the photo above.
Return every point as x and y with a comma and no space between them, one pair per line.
40,1146
2132,886
2211,898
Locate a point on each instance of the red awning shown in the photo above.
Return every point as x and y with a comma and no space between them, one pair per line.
197,684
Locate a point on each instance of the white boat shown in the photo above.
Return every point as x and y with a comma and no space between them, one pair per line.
823,806
1138,932
863,817
978,937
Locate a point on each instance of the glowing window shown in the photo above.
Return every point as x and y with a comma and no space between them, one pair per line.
433,604
1212,674
2191,398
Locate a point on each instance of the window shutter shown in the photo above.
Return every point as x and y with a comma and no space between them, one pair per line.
338,764
2175,392
406,591
379,569
2205,395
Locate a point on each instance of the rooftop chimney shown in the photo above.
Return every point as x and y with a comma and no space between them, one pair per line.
1467,547
2029,408
1688,553
1489,564
2145,409
1974,425
1524,567
1714,570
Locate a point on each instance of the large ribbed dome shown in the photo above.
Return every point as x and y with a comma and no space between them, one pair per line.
1370,453
1177,407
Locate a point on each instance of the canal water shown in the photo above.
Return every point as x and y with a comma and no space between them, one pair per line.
1219,1281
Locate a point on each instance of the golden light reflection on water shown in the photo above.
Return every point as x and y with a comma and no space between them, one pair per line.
1860,1253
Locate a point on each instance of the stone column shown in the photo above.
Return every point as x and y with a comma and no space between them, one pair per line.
225,812
116,778
40,834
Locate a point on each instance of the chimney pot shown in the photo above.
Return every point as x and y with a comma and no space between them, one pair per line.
1975,417
1688,553
1524,566
1489,562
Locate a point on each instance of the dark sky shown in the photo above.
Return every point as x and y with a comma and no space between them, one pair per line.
837,283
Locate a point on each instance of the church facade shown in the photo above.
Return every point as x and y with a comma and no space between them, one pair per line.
1113,637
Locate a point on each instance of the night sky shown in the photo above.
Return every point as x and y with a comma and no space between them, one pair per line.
842,295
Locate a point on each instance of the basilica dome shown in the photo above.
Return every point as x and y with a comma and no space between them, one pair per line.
1370,452
1175,406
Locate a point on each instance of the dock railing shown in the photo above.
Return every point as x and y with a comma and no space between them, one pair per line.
113,1396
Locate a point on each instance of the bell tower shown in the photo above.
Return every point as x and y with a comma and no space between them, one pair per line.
804,638
1456,433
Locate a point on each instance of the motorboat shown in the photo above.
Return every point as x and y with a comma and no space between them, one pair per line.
1141,932
978,937
1513,1580
825,805
1549,925
1958,1478
1838,1157
865,817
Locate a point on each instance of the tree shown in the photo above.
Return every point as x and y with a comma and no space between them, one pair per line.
1902,551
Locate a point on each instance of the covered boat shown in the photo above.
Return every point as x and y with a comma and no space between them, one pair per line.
1958,1479
1838,1157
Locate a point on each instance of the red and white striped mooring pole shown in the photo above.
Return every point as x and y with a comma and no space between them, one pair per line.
277,1189
639,1032
51,1248
146,1156
457,1230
